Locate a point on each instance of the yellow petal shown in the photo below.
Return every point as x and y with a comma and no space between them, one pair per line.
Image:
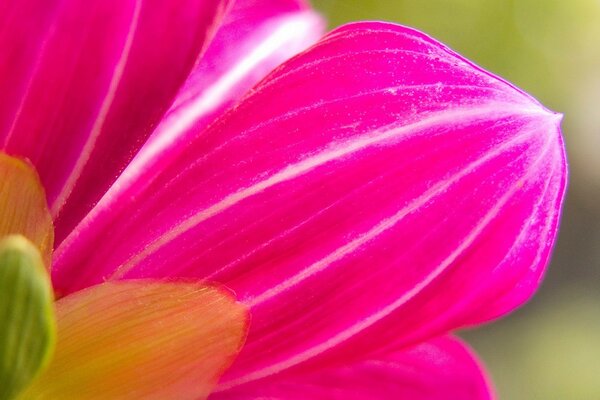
23,207
142,340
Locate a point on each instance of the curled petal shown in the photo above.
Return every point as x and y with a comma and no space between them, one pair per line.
87,82
376,185
142,340
440,369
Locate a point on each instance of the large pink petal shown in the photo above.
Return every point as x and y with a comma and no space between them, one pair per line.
23,26
441,369
376,186
257,35
88,80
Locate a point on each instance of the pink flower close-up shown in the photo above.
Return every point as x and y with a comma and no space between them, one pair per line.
355,198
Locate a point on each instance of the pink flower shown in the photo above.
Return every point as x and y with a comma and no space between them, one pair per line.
367,197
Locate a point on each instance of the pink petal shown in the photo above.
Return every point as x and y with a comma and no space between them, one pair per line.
376,186
257,35
87,81
24,25
440,369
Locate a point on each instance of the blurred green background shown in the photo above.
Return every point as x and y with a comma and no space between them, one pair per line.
549,349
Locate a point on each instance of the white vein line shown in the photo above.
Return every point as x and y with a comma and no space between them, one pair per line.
295,30
383,226
521,237
317,105
450,116
387,310
548,223
269,242
86,151
551,219
187,113
432,46
410,34
30,80
288,231
387,89
210,99
342,56
530,221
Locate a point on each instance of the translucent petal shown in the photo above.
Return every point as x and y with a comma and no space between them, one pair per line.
142,340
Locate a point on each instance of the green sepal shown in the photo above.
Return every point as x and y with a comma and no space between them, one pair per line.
27,321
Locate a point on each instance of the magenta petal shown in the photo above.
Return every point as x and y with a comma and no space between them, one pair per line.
256,36
24,25
91,81
441,369
376,186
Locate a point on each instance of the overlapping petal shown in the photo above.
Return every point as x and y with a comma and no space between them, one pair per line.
376,186
142,340
440,369
86,82
256,36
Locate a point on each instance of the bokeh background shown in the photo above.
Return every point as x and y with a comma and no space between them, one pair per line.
550,348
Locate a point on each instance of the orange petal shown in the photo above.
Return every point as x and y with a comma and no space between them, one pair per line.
23,207
142,340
